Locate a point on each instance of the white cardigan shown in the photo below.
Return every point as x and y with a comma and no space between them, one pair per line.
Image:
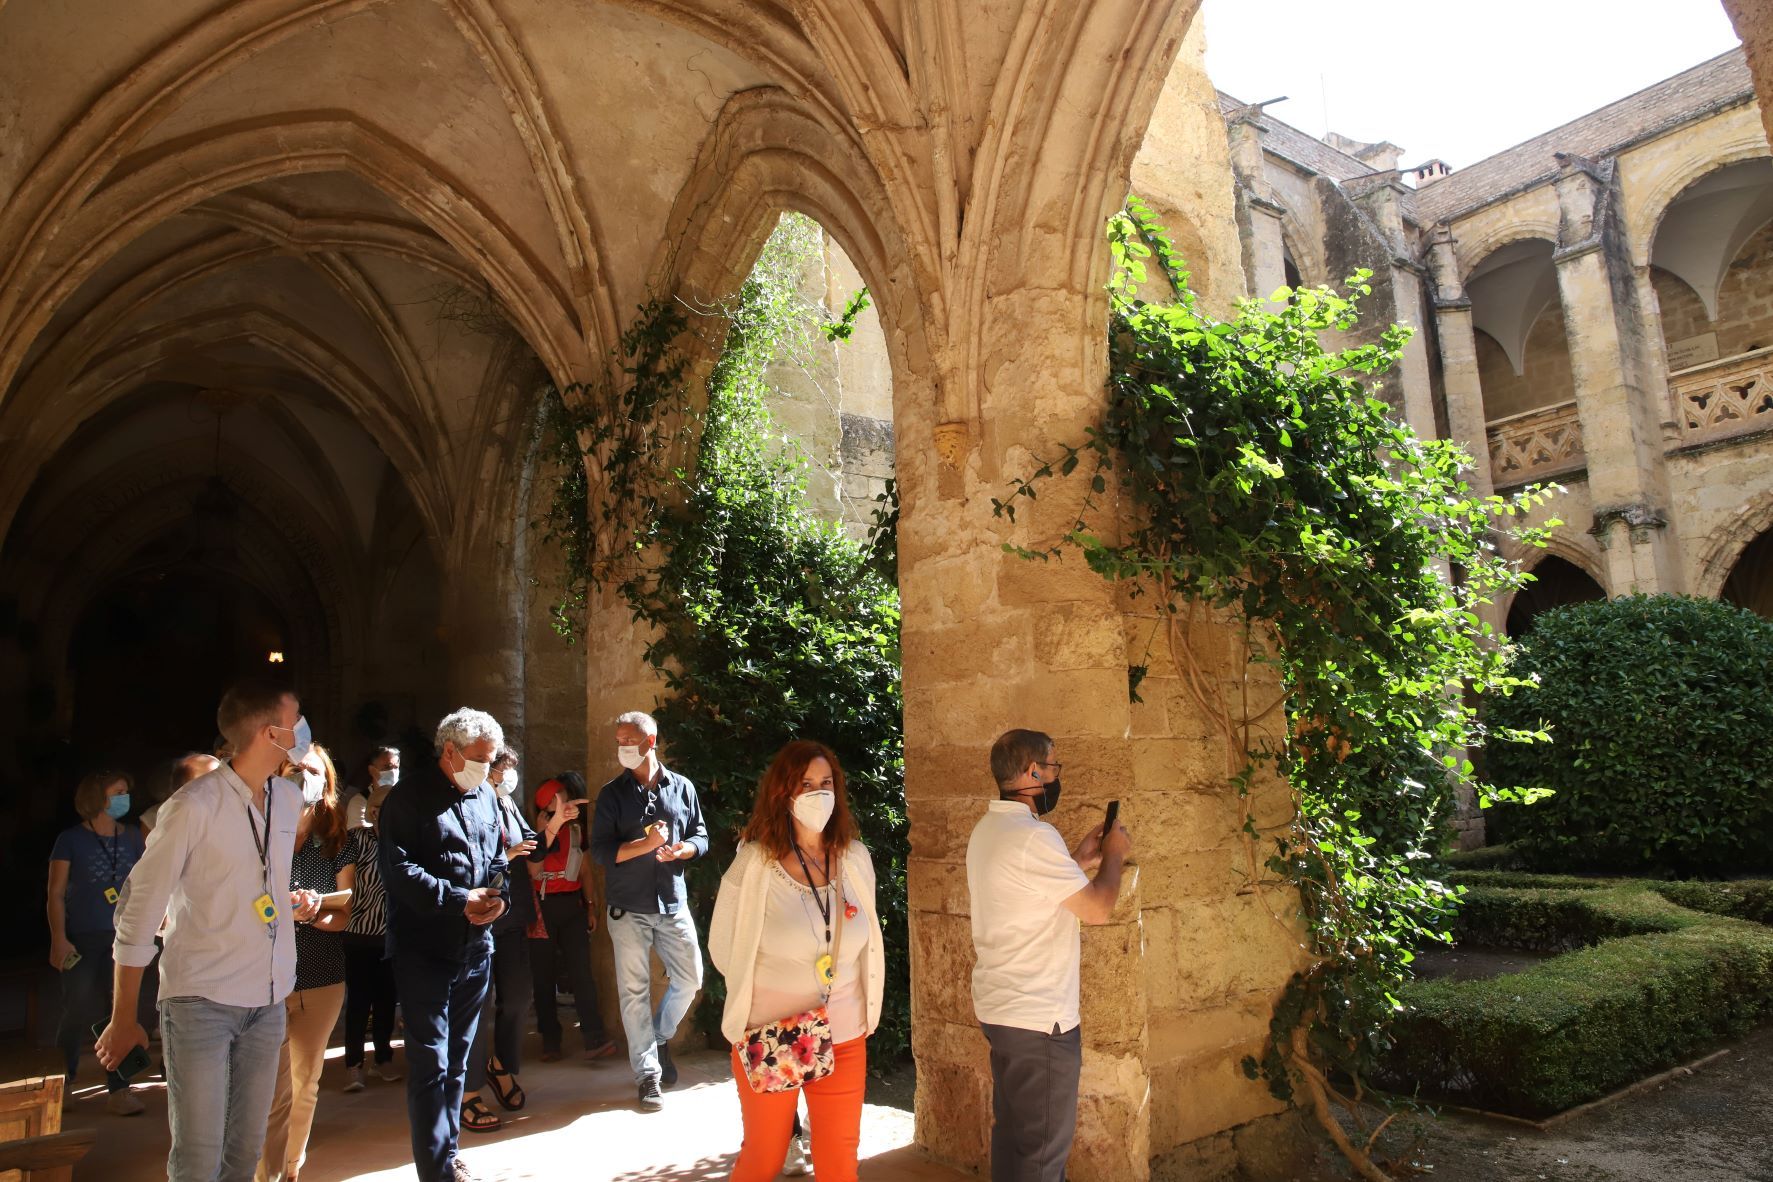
737,930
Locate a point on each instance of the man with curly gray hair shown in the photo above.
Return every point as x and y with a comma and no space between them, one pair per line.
443,865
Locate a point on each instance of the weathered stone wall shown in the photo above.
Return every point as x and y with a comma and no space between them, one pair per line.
867,466
1545,378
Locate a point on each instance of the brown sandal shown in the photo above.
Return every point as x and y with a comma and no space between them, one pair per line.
478,1118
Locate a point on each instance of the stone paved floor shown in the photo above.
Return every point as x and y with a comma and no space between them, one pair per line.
580,1123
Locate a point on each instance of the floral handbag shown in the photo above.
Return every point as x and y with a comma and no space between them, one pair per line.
782,1055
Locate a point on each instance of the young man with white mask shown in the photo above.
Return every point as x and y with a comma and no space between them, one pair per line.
648,823
444,869
218,867
1028,894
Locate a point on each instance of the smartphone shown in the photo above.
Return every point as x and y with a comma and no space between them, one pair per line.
133,1063
1113,816
70,960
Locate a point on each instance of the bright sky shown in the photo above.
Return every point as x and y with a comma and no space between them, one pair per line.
1457,81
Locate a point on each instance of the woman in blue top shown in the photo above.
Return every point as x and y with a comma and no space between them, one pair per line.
87,868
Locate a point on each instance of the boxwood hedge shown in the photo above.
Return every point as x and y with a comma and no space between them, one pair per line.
1649,983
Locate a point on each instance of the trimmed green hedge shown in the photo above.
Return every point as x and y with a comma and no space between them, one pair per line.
1487,857
1660,984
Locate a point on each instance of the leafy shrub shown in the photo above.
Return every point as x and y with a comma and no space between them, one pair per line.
1584,1023
1749,899
1659,709
1489,857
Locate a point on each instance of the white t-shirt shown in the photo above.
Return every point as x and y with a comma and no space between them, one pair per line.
784,982
1019,875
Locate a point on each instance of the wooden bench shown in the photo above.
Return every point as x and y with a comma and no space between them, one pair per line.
32,1144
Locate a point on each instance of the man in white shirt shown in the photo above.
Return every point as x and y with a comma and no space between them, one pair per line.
1028,894
217,866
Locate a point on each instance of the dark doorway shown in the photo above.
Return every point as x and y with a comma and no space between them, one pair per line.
1556,583
1750,583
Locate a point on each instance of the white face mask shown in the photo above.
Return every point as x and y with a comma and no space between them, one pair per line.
388,778
472,775
814,808
509,785
313,786
629,757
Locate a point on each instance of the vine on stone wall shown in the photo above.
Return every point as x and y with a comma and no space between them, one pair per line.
767,622
1260,485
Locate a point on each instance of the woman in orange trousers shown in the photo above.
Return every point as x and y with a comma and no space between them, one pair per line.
795,929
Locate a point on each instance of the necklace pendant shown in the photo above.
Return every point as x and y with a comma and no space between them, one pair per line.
825,969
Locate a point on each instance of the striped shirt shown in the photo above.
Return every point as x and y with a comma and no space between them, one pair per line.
369,901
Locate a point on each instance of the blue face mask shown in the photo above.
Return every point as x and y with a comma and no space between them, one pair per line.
117,807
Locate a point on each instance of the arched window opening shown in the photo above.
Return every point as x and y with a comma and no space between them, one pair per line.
1750,583
1557,582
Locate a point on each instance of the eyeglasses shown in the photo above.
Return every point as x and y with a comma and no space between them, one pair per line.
1054,764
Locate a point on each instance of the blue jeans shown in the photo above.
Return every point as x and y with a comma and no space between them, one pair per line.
440,1000
221,1071
635,937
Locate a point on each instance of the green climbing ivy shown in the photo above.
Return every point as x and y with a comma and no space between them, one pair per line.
768,623
1260,483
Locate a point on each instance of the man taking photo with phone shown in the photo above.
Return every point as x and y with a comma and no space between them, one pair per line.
1029,894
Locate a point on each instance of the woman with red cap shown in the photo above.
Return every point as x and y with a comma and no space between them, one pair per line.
566,915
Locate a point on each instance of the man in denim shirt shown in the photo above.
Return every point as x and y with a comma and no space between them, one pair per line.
444,869
647,824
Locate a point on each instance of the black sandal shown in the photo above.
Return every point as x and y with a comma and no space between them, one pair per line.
478,1118
510,1099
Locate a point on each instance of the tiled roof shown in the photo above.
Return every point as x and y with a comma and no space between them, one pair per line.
1307,151
1722,82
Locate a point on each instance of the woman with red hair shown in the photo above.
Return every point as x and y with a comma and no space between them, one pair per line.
796,937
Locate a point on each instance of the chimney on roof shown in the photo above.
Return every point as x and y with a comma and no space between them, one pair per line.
1431,171
1380,157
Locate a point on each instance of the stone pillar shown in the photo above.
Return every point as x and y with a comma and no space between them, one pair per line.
1467,421
1381,196
483,630
1180,986
1259,214
1619,409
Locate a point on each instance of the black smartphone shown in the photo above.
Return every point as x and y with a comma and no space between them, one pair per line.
1113,816
133,1063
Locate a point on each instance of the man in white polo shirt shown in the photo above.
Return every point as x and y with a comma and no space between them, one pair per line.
1028,895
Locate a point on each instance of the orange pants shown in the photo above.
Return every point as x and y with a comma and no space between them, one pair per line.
834,1111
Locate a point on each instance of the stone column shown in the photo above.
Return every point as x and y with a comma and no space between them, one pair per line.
1467,421
483,630
1619,408
1259,214
1180,986
1381,196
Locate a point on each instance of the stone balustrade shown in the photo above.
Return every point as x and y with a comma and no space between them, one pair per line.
1536,445
1721,399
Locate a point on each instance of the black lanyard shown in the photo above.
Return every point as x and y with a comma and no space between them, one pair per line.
111,849
262,843
826,907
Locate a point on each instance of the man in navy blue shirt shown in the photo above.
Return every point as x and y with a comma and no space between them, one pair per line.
443,865
648,823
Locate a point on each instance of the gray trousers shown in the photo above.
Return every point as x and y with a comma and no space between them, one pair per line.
1033,1102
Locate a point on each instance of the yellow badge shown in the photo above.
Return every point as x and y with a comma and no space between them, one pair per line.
826,970
266,908
111,896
